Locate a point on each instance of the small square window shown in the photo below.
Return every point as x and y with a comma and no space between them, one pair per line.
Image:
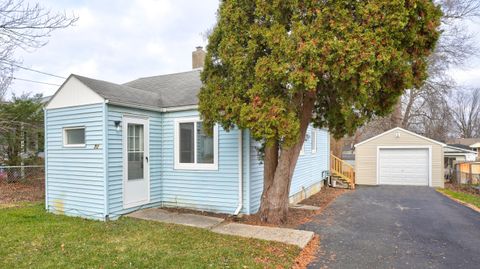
74,137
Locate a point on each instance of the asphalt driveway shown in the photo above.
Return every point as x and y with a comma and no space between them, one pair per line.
396,227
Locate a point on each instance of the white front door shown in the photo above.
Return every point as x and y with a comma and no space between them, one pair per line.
136,180
404,166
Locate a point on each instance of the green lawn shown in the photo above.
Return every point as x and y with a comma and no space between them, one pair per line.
31,238
463,196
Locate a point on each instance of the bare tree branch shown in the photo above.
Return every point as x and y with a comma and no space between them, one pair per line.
24,26
466,112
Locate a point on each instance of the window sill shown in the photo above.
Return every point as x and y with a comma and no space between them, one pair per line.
74,146
198,167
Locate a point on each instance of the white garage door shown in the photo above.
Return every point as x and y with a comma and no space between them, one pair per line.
403,166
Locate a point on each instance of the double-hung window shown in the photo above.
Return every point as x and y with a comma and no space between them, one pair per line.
194,148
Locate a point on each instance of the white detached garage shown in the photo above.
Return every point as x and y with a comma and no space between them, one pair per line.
399,157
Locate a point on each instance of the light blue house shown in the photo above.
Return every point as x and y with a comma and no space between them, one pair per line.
115,148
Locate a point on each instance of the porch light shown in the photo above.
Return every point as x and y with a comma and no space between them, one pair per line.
117,125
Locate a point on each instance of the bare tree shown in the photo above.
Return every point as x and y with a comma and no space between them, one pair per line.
466,112
419,108
24,26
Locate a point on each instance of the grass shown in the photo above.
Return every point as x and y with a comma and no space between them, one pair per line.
32,238
463,196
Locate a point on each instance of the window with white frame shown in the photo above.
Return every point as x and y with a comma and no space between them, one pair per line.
194,148
314,140
74,137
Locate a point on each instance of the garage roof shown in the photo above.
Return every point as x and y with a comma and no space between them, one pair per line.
401,129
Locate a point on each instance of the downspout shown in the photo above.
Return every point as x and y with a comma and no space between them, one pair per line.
240,173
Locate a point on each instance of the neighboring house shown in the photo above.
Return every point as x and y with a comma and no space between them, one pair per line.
456,153
399,157
115,148
476,147
348,154
467,143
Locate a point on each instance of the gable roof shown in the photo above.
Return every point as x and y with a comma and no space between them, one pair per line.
403,130
117,93
165,91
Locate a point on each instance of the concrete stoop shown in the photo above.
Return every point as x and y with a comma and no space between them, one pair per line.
217,225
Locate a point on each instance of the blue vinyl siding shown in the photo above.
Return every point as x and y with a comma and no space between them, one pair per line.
115,158
215,190
308,170
212,190
311,165
256,176
75,176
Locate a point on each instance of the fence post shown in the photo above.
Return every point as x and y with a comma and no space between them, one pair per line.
470,180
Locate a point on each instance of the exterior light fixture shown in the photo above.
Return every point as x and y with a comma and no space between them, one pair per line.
117,125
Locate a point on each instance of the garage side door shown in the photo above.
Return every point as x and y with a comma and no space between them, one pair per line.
403,167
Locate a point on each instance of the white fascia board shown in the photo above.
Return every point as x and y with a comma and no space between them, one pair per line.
400,129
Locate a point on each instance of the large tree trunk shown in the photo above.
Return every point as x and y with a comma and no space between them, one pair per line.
274,201
270,163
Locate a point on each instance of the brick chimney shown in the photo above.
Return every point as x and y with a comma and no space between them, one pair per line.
198,57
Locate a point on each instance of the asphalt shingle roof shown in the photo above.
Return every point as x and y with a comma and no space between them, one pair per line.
180,89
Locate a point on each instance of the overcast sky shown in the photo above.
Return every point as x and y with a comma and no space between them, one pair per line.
122,40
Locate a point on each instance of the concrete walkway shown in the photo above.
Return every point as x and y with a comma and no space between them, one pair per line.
217,225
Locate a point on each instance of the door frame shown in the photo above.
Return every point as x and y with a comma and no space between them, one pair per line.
406,147
146,129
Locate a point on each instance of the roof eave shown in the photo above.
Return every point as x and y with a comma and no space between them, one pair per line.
400,129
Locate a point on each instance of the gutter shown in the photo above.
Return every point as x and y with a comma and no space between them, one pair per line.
151,108
240,173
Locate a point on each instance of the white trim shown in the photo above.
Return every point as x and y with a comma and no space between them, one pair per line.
400,129
457,148
146,149
240,173
105,160
475,145
151,108
313,145
65,129
406,147
45,150
194,166
180,108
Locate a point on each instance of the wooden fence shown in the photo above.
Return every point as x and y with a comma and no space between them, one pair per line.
467,173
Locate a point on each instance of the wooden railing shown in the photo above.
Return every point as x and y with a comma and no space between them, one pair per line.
342,169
